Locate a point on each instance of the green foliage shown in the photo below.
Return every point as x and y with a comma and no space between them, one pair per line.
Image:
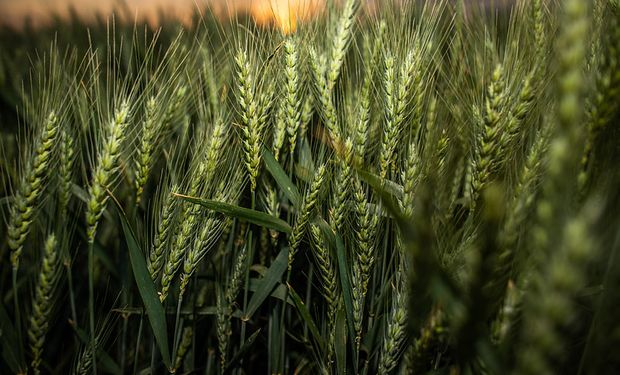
429,188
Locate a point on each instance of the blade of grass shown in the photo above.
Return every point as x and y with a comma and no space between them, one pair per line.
152,305
388,186
256,217
304,313
284,182
273,340
278,293
266,285
305,168
341,342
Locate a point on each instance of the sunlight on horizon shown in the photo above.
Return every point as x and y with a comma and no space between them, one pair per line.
283,13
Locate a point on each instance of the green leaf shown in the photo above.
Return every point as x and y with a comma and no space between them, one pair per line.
273,360
272,277
387,198
341,341
304,313
241,352
288,188
306,161
152,305
387,186
256,217
8,339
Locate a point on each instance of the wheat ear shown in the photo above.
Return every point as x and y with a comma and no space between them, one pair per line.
364,255
342,188
65,172
162,235
292,92
489,141
43,301
250,116
105,170
329,283
324,95
148,141
31,186
306,211
341,41
395,330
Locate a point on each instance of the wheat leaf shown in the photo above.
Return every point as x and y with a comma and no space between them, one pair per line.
304,313
256,217
284,182
154,308
266,285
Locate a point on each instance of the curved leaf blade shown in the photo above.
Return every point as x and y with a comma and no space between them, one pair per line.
304,313
284,182
266,285
154,309
256,217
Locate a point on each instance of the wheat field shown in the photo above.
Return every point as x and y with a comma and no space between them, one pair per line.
428,188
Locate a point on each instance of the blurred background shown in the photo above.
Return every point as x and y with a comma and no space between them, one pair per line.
19,14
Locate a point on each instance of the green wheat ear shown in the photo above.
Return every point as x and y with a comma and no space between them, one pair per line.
427,114
162,235
31,186
329,283
342,187
292,92
488,143
395,334
324,95
340,42
144,161
250,116
43,301
105,170
305,213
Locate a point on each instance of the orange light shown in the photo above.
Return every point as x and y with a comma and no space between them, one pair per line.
285,14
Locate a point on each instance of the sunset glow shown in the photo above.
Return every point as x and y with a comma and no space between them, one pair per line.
283,14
